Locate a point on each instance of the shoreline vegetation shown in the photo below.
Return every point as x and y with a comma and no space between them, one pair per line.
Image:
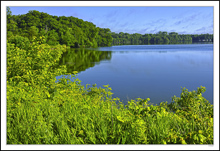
42,111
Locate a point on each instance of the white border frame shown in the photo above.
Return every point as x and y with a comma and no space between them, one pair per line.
215,4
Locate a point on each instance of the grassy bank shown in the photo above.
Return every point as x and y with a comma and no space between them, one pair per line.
40,111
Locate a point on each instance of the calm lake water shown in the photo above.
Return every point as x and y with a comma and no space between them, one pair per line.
147,71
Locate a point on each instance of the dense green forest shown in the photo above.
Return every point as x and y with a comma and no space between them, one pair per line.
75,32
70,31
159,38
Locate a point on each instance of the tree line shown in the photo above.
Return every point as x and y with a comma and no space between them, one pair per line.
74,32
158,38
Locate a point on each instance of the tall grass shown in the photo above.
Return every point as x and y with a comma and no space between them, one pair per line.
40,111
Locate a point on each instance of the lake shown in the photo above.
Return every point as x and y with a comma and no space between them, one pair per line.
147,71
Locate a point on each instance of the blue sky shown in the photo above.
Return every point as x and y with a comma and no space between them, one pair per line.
183,20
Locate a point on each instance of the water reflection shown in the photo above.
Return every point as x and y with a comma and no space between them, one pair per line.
156,72
82,59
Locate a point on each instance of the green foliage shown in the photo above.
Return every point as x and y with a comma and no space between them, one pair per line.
158,38
9,13
11,23
70,31
19,41
32,32
104,37
52,37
